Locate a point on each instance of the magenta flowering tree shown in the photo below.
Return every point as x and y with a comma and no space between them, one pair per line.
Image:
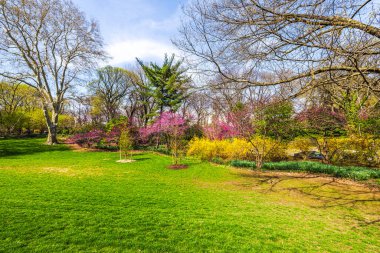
89,139
236,123
112,137
219,130
170,125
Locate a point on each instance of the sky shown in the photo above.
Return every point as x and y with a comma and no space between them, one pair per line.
135,28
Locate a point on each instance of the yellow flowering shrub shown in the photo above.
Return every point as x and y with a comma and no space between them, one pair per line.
331,148
236,149
267,149
206,149
301,144
363,150
203,148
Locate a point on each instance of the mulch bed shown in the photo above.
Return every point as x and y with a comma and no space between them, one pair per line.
177,167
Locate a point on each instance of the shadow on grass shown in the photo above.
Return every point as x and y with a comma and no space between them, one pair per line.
318,191
11,148
141,159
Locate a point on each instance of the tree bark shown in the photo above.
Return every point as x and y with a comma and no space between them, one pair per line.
51,124
52,135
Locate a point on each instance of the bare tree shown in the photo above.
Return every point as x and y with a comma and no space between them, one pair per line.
295,41
139,105
111,87
47,44
79,108
198,104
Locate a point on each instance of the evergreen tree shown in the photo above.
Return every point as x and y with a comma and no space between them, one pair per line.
167,83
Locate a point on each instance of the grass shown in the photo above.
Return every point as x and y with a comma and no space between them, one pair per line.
54,199
351,172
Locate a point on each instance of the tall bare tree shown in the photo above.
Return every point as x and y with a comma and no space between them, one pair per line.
111,86
47,44
295,41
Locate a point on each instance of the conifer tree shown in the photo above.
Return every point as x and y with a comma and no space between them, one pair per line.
167,83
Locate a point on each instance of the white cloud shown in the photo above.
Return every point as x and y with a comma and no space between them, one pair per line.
127,50
135,28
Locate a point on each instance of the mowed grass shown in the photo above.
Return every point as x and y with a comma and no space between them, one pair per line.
54,199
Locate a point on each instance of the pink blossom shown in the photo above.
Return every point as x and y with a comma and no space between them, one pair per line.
167,123
87,139
220,130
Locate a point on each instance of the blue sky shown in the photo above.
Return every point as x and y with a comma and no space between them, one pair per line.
135,28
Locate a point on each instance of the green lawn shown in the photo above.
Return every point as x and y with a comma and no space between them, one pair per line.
54,199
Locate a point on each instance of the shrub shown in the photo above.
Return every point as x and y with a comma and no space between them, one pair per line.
237,149
363,150
206,149
217,160
234,149
331,148
302,144
90,139
160,149
112,137
266,149
242,163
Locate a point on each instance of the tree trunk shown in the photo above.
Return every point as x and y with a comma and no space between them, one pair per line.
52,135
51,124
259,162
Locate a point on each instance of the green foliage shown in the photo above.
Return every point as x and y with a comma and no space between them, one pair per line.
217,160
18,107
66,124
277,120
194,131
163,149
125,143
370,126
166,83
116,122
370,121
243,163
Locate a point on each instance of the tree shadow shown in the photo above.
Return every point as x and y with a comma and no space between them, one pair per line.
141,159
319,191
11,148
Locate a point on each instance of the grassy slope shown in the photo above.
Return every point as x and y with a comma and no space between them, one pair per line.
64,200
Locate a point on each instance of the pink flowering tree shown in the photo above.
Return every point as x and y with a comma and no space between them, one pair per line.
90,139
236,123
170,125
219,130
